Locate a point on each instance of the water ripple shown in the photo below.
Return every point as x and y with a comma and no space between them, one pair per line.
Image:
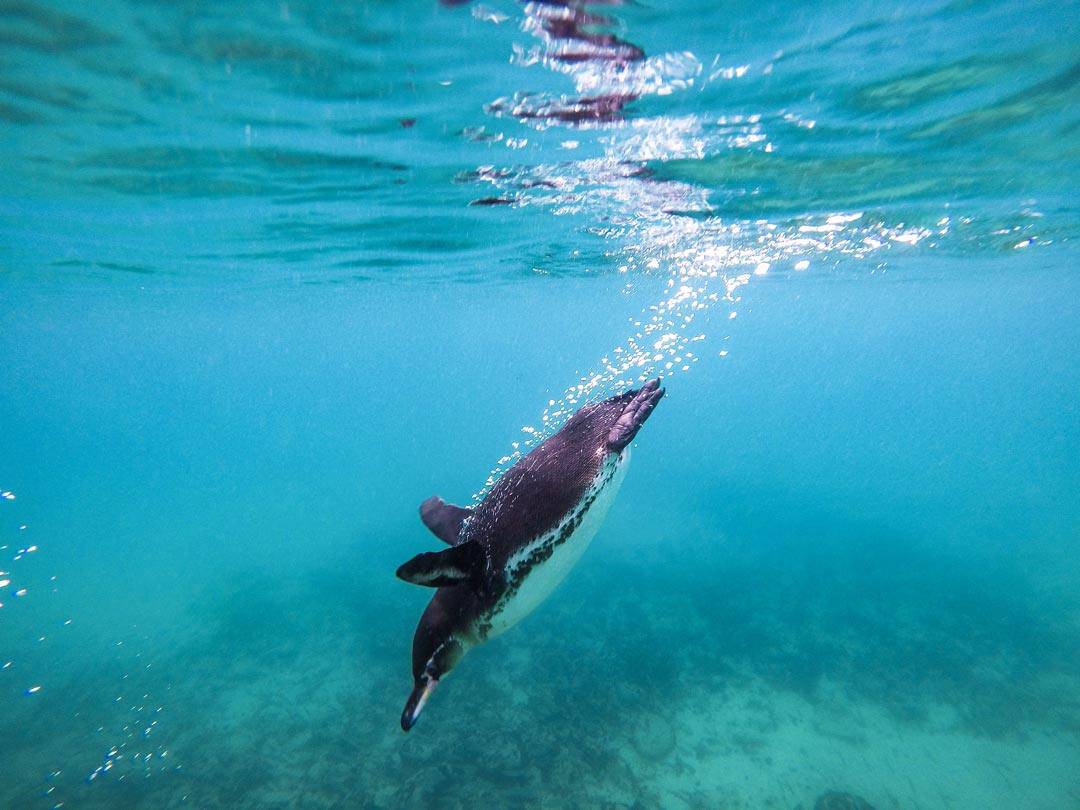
368,115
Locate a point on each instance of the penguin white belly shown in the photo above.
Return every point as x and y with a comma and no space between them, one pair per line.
544,576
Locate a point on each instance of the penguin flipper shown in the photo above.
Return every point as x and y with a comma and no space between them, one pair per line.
444,519
437,569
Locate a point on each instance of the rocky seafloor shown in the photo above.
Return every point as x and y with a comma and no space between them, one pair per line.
902,679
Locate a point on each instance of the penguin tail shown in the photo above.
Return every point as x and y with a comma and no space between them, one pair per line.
634,414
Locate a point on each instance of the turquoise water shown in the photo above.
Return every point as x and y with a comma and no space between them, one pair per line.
272,275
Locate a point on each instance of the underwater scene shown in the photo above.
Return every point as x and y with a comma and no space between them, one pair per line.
274,274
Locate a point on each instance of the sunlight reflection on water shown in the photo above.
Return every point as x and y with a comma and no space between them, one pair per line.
663,228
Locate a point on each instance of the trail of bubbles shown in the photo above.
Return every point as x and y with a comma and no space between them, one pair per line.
133,746
664,228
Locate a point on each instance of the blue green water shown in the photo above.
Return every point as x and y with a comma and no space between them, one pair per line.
272,274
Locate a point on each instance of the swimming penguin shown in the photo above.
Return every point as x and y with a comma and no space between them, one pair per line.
509,552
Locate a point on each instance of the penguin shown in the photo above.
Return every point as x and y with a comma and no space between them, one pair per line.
509,552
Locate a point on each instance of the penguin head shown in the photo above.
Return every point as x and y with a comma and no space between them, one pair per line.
415,704
436,651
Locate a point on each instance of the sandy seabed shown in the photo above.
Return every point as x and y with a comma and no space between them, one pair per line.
897,680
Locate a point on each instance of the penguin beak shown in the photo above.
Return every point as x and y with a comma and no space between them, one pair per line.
415,704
